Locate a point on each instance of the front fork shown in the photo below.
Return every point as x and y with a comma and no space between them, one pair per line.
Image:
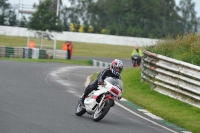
101,101
104,97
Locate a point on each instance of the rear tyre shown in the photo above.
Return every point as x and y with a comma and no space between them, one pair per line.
80,110
100,112
134,63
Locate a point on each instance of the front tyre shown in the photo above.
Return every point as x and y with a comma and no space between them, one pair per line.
101,111
80,110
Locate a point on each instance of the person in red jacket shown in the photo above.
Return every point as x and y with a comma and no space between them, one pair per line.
64,46
31,44
70,49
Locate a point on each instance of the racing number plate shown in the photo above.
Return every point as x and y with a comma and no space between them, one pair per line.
114,90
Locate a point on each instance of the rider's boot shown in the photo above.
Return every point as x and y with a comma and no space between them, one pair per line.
81,101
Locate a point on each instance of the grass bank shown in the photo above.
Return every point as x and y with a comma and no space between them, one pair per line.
80,49
185,48
171,110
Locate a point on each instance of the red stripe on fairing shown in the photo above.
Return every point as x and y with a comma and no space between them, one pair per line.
109,97
94,97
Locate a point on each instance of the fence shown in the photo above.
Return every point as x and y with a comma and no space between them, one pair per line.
35,53
177,79
59,54
78,37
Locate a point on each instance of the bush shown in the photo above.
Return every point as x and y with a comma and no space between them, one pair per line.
185,48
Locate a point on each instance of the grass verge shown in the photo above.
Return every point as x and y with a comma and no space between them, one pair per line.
171,110
75,62
185,48
80,49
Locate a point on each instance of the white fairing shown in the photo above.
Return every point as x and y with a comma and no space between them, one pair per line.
90,101
114,88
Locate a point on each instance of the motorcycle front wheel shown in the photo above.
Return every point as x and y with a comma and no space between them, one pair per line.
80,110
101,111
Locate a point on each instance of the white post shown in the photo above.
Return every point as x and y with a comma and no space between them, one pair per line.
54,47
28,38
41,40
57,12
58,5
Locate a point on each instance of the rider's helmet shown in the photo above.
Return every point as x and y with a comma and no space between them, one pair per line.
136,47
116,67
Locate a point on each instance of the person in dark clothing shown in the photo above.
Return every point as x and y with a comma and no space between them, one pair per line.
114,70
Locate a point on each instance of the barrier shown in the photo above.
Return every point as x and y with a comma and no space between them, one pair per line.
30,53
61,54
177,79
9,52
22,52
35,53
18,52
25,52
100,63
42,54
2,51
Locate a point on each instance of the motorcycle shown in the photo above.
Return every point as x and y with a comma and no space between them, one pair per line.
99,101
135,60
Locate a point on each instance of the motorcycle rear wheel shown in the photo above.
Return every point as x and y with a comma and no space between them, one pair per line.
80,110
100,112
135,63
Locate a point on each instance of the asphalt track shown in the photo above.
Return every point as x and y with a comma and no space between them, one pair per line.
126,62
41,98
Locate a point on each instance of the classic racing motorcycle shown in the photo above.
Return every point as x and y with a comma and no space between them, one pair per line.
99,101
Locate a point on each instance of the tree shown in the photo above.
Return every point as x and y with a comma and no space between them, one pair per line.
188,13
45,18
140,18
23,22
12,18
4,11
73,14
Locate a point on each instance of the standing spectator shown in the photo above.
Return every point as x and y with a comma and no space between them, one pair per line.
70,49
31,44
64,46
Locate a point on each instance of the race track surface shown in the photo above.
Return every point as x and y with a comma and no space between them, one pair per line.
41,98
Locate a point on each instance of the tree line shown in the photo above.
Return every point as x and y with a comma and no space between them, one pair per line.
137,18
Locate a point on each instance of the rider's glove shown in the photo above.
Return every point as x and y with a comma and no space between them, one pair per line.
119,98
101,83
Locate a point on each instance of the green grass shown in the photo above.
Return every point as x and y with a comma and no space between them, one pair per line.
174,111
80,49
171,110
185,48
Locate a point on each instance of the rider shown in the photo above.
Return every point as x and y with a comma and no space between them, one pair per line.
138,52
114,70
